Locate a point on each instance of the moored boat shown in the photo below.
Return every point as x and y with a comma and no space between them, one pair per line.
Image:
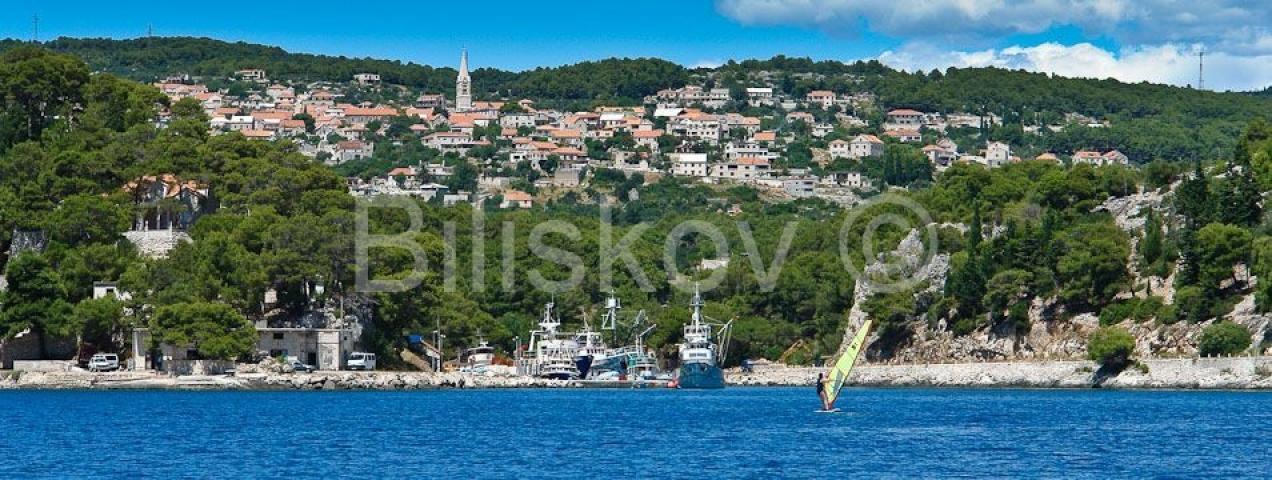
700,355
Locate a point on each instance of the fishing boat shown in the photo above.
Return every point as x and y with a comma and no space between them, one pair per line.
478,359
591,349
634,362
843,366
550,353
700,355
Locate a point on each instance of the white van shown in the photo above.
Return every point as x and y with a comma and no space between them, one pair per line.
362,361
103,362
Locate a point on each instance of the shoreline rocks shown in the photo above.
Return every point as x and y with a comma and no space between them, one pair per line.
1228,373
1231,373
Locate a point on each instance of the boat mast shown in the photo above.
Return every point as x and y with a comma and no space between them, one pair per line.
696,303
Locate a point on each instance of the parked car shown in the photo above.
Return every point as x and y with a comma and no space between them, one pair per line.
362,361
299,366
103,362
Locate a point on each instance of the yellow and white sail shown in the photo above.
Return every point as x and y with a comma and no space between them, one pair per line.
843,365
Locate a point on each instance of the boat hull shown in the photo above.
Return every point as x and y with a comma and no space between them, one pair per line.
584,364
700,376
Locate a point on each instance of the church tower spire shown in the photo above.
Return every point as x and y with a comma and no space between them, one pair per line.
463,85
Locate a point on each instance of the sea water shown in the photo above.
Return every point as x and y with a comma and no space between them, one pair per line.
731,433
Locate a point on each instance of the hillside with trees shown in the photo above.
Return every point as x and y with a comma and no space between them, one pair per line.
1031,232
1145,121
150,59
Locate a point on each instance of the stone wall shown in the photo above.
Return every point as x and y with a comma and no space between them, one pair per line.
156,243
197,367
43,365
26,346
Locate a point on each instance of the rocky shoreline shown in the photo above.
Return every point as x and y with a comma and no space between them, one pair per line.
1235,373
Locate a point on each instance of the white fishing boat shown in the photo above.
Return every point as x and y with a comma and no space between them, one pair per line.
550,353
479,359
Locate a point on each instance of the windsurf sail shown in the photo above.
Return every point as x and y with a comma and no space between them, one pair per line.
843,366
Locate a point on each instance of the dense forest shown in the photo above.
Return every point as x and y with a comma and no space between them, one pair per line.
70,141
149,59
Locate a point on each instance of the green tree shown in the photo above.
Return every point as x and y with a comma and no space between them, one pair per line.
1093,267
98,320
86,219
36,86
1151,248
1219,248
1223,338
1111,347
215,330
35,300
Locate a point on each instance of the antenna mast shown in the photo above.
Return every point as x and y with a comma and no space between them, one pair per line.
1201,69
35,28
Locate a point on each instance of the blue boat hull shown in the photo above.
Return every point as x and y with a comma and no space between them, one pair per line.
584,364
700,376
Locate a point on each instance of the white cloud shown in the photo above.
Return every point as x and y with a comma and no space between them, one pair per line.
707,64
1170,63
1239,26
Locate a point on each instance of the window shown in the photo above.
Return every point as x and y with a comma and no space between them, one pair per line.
278,335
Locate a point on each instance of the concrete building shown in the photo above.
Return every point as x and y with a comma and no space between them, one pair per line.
820,98
689,165
997,154
324,348
799,187
746,168
904,119
865,146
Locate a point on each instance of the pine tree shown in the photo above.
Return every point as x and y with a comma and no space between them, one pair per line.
1193,199
1245,193
1150,247
1186,271
974,233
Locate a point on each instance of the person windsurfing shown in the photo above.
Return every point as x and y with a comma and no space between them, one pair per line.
829,385
821,391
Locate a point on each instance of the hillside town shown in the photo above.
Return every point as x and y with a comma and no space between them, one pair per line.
824,144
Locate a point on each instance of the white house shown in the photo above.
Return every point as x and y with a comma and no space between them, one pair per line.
997,154
904,119
821,98
746,168
516,198
689,165
366,78
758,96
1111,157
865,146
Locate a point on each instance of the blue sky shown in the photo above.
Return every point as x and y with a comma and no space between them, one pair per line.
1128,39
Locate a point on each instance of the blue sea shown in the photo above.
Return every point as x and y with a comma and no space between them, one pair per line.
732,433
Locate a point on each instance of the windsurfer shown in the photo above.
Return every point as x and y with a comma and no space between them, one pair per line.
821,390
